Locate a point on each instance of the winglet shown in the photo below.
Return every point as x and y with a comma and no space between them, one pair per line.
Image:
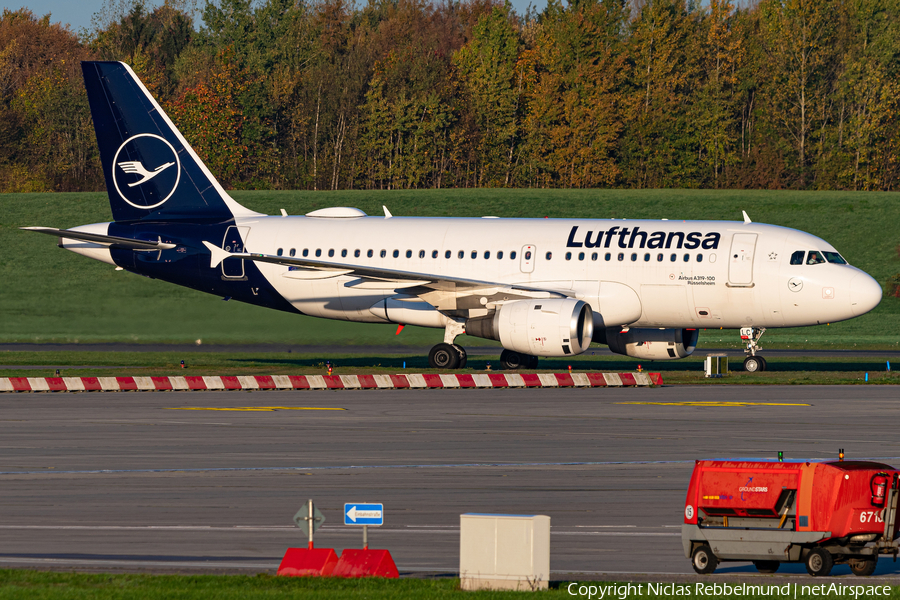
387,213
746,218
218,255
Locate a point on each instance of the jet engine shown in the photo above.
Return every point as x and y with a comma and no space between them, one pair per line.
553,327
650,344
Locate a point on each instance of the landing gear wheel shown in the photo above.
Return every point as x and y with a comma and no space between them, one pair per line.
443,356
752,364
512,361
819,562
463,357
766,566
532,362
765,365
703,560
863,567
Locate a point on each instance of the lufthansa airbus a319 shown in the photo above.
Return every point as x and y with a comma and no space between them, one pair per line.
541,287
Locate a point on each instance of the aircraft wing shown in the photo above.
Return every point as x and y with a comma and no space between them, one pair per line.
106,240
444,292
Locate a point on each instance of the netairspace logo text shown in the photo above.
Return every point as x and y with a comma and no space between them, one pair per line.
622,591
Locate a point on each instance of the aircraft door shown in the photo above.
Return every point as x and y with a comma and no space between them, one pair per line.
740,265
233,268
529,254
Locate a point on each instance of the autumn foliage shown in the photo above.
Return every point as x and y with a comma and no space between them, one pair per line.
399,94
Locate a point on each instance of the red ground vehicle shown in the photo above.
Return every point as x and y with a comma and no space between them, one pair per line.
769,512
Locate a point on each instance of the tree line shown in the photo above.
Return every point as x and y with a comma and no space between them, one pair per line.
400,94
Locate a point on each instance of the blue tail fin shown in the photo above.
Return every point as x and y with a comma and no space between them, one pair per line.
151,171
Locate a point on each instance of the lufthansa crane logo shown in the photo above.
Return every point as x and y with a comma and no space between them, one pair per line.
141,171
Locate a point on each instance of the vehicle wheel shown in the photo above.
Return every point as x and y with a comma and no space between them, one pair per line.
765,365
703,560
532,362
511,361
819,562
752,364
443,356
766,566
863,567
463,357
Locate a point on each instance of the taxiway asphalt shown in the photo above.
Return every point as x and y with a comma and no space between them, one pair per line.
133,481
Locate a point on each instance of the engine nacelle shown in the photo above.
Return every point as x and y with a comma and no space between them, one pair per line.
650,344
554,327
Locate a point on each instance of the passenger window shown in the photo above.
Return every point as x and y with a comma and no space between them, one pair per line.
699,258
344,253
814,258
568,256
369,253
447,254
647,257
512,255
687,257
421,254
330,252
834,257
293,252
633,256
280,251
607,256
621,256
434,254
461,254
659,257
673,258
383,253
318,252
581,256
409,254
474,253
528,255
396,254
797,257
356,253
487,253
306,252
548,256
594,256
499,254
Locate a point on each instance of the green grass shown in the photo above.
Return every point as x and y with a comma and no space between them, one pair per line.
49,295
800,370
36,585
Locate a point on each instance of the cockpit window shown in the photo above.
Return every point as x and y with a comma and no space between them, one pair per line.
814,258
797,257
834,257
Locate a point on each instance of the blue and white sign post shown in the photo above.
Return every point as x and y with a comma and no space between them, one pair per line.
364,514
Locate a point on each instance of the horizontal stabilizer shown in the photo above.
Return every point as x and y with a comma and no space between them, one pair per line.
105,240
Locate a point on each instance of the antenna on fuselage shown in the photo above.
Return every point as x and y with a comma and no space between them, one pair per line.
746,218
387,213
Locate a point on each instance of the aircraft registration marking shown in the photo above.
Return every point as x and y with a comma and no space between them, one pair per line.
716,404
251,408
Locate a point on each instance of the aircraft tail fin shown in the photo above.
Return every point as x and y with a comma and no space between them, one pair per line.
150,169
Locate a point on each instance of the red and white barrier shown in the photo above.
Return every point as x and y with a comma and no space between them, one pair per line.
326,382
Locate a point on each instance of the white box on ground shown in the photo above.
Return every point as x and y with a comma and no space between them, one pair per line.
504,552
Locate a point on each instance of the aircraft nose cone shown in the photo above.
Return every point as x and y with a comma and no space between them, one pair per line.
865,294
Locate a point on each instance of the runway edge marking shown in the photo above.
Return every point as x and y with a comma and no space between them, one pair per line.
313,382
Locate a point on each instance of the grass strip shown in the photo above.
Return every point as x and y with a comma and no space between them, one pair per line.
38,585
788,370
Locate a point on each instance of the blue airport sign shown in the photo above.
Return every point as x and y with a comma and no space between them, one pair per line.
364,514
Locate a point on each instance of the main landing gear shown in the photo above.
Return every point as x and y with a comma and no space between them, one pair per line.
751,335
448,355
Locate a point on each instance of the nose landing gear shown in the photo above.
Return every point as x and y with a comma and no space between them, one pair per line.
751,335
